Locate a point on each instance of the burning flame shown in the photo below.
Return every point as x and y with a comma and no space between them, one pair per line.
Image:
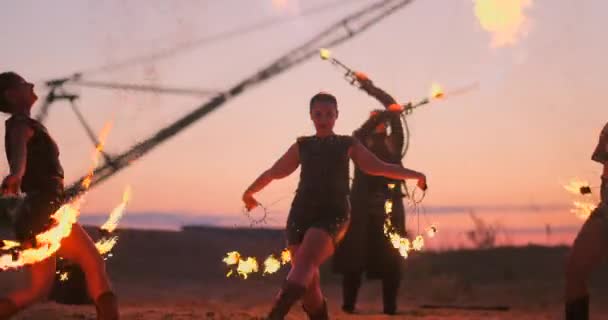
285,257
112,222
324,53
232,258
105,245
8,244
271,265
583,209
247,266
436,91
403,245
575,186
505,19
47,242
86,182
244,267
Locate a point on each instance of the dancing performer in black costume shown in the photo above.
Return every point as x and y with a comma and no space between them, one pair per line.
320,211
365,248
35,169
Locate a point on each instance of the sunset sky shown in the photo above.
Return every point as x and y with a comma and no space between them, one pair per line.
503,149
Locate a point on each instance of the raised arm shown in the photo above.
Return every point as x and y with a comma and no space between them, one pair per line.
370,164
285,166
368,86
19,133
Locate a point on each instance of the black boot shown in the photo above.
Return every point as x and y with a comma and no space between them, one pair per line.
321,314
390,288
350,289
107,306
290,294
7,308
578,309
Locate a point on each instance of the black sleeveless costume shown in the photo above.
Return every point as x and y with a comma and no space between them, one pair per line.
321,199
42,182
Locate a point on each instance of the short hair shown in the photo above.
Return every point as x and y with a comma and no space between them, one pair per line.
7,80
323,97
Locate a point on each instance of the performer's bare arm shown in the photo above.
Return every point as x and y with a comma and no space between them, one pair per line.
20,133
371,165
285,166
368,86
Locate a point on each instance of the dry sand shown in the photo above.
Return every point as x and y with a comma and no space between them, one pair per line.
179,275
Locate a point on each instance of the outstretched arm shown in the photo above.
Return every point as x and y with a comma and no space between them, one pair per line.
370,164
285,166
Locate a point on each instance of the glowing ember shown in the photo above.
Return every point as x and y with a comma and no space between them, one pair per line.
436,91
325,54
575,186
112,222
583,209
505,19
64,276
271,265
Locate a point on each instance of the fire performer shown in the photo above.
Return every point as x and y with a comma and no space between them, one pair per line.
320,211
591,244
365,248
35,169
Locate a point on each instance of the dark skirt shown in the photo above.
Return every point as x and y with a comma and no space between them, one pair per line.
330,214
365,248
34,216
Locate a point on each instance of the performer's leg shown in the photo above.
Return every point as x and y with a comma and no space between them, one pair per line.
42,275
390,289
315,248
586,254
313,302
351,282
80,249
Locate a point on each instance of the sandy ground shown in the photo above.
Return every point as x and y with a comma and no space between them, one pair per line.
179,275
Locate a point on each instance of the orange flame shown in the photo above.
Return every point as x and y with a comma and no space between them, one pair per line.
403,245
117,213
505,19
86,182
575,185
285,257
106,245
247,266
271,265
583,209
436,91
